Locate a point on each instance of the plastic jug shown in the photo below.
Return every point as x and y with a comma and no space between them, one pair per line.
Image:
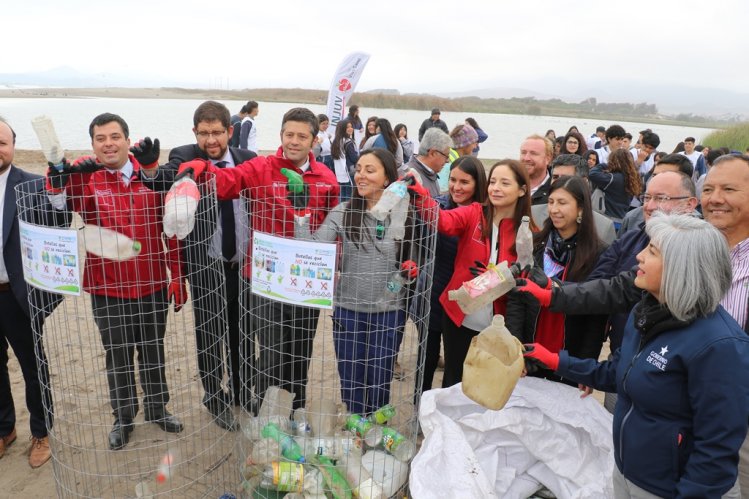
493,365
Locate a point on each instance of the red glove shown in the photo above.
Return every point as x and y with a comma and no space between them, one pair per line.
542,295
540,354
196,167
536,274
409,269
178,291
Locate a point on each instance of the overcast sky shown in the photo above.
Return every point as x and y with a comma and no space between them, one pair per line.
415,46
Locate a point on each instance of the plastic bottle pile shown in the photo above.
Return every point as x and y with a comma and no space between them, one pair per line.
323,451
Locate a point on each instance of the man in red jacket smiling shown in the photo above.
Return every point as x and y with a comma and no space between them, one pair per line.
129,298
285,332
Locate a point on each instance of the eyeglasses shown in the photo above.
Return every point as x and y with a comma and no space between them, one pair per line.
447,158
214,134
646,198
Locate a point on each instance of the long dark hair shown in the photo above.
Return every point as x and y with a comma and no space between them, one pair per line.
371,119
522,205
587,245
388,135
353,217
621,161
475,168
336,148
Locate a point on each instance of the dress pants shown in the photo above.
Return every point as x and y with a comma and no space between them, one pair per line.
217,336
284,334
127,325
16,331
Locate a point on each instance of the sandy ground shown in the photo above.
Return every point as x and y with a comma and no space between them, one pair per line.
82,408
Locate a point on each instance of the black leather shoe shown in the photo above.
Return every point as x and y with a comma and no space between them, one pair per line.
120,434
224,418
166,422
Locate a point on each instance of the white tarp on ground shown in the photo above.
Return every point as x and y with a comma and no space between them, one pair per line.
545,434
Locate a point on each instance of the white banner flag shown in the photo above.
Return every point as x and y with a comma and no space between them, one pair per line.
344,82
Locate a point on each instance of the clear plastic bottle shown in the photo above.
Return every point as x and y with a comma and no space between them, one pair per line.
524,243
109,244
302,426
252,427
361,479
391,196
180,205
396,444
264,451
51,148
167,465
364,429
334,447
290,449
276,402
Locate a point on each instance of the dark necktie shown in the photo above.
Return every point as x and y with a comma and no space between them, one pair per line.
229,238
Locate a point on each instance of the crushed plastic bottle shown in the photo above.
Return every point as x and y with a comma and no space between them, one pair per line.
393,195
180,205
109,244
524,243
51,148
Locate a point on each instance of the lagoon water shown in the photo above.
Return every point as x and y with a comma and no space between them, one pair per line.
171,121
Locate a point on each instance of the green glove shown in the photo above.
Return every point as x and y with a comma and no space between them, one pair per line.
295,182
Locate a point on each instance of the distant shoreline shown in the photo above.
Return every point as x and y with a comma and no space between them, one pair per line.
307,96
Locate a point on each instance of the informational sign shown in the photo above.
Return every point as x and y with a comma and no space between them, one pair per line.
293,271
50,258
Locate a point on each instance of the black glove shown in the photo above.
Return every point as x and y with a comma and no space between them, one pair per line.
86,164
515,269
537,275
58,179
532,364
146,151
479,269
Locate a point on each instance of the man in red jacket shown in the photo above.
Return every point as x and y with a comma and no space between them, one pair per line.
285,332
130,297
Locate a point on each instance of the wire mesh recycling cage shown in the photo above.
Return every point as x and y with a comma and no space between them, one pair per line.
112,349
332,300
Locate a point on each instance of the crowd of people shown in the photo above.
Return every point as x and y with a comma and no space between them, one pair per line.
615,224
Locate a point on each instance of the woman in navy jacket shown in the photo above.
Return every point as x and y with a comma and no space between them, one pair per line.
681,414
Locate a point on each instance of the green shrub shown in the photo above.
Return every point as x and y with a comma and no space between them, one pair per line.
734,137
